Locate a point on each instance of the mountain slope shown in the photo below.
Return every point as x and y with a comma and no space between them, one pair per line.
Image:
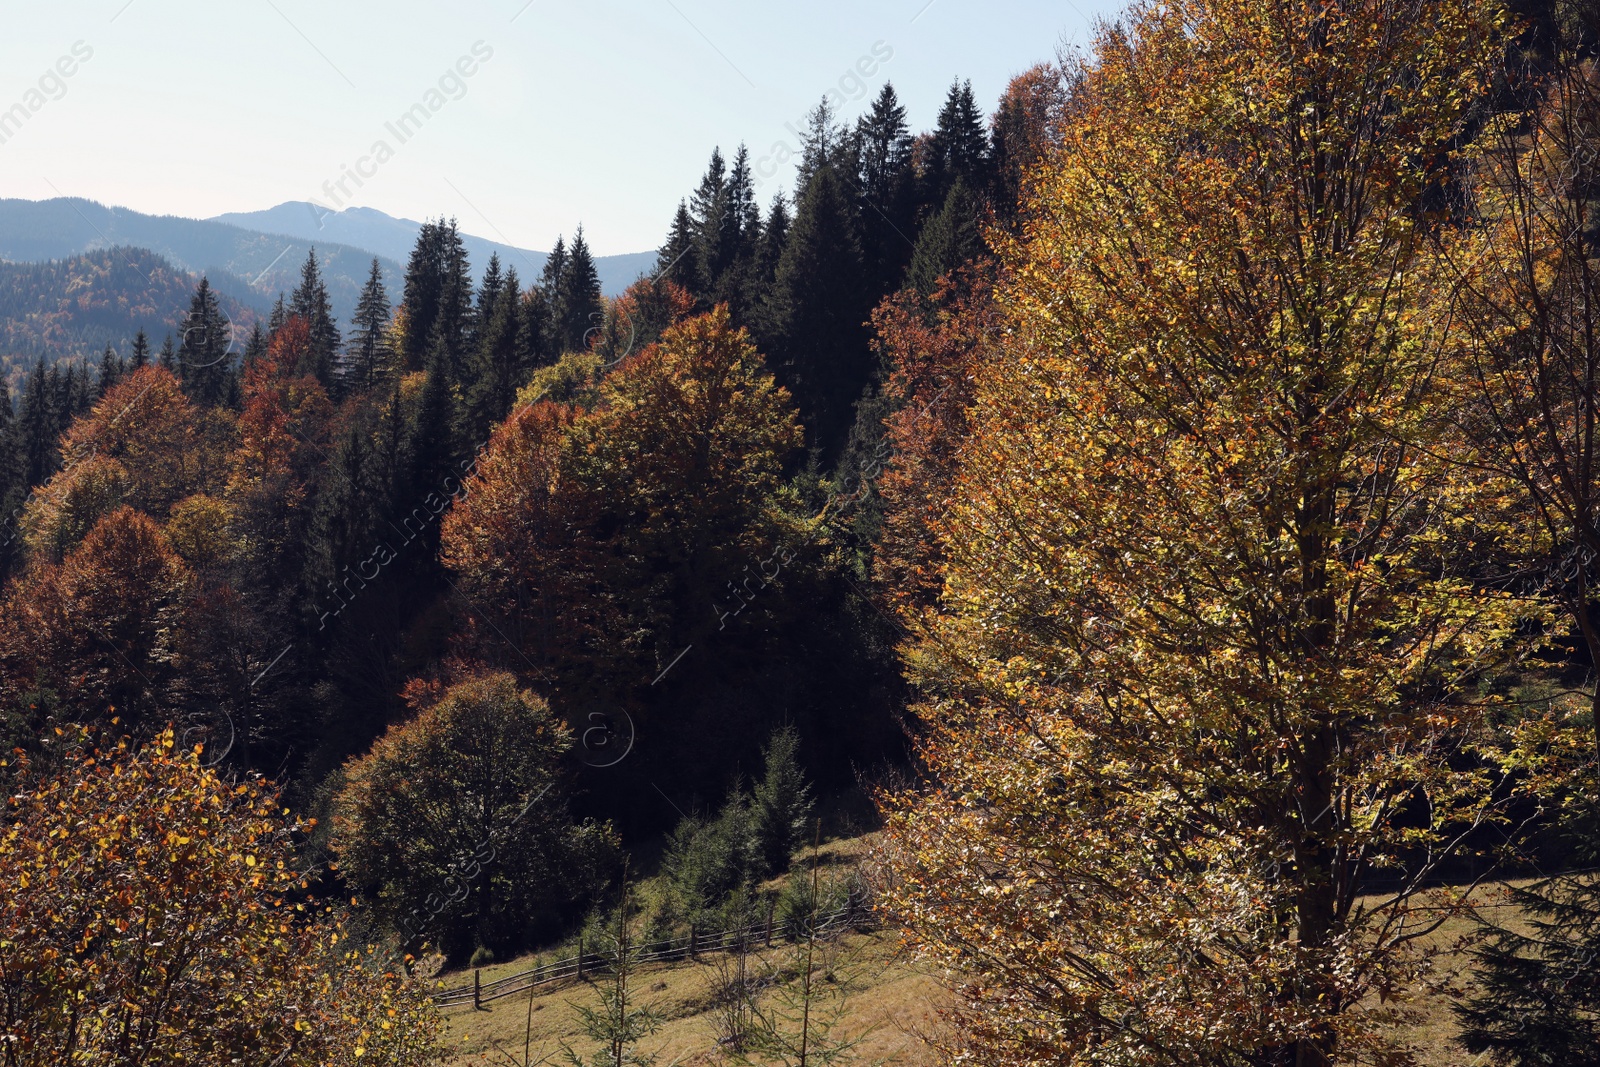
260,265
78,305
385,235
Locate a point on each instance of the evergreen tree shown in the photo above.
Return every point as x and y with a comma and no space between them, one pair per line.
38,426
887,191
438,298
487,301
499,366
551,281
813,322
950,239
205,361
676,258
782,804
256,346
141,352
533,330
168,360
367,358
1538,990
958,149
820,145
577,305
279,316
310,302
769,251
110,371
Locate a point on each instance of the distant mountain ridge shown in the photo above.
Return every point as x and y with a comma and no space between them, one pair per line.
385,235
254,256
247,265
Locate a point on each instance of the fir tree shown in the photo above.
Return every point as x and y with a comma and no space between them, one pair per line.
499,366
438,297
813,322
782,803
111,370
676,258
1537,1001
950,239
168,360
367,358
310,302
141,352
958,149
552,280
820,145
577,305
205,359
887,190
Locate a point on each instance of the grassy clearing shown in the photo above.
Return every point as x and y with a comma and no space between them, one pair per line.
889,1005
890,1002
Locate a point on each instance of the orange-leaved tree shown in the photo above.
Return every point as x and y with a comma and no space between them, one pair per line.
148,919
609,535
101,630
1189,714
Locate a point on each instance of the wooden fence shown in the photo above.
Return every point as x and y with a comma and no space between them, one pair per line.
854,914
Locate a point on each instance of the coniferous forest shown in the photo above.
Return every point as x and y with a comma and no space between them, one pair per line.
1153,519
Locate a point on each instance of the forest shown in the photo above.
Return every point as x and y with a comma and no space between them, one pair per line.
1168,507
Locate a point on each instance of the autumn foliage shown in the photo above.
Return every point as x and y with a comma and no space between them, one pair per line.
150,917
1191,671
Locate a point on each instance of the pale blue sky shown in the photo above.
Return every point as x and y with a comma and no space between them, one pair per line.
602,112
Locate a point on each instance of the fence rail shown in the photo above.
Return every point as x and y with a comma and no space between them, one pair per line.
856,913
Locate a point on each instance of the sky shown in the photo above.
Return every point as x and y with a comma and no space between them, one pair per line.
528,117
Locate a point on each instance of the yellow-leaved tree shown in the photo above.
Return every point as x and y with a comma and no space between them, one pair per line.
1190,682
153,915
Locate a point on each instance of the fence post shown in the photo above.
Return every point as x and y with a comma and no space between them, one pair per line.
772,906
477,990
580,955
694,941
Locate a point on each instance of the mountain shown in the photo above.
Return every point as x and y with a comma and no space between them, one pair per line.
78,305
385,235
247,265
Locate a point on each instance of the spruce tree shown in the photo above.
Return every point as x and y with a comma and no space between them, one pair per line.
310,302
707,208
1537,998
420,296
141,352
438,297
813,322
950,239
367,358
205,358
578,306
958,149
110,371
819,145
782,803
168,360
499,366
551,281
769,251
676,258
887,191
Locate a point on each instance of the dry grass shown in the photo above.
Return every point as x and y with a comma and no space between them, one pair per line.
889,1005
